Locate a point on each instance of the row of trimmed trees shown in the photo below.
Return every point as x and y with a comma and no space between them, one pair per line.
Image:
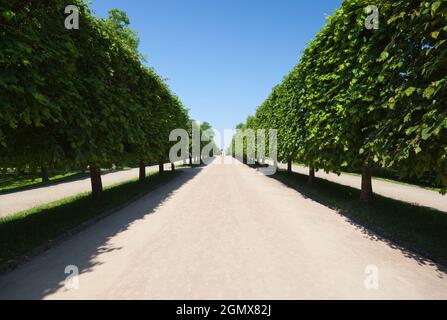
367,98
79,97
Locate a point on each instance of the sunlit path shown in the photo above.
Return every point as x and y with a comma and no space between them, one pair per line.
224,231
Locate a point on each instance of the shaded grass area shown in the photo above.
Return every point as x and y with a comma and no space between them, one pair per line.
10,183
422,230
22,233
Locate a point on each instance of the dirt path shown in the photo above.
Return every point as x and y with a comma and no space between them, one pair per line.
225,232
11,203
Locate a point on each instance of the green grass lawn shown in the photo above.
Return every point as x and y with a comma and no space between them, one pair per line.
421,229
25,231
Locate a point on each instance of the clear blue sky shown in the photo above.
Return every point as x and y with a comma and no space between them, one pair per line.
222,57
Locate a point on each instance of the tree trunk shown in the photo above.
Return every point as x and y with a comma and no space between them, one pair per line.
190,160
161,167
44,173
172,166
142,175
366,195
311,175
95,177
289,164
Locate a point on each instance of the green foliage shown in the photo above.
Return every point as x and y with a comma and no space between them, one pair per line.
78,97
361,97
413,135
120,22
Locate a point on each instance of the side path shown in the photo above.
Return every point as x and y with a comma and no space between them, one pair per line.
398,191
11,203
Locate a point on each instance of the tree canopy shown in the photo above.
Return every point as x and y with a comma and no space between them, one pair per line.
78,96
365,98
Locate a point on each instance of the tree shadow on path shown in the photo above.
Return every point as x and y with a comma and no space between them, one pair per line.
45,274
418,232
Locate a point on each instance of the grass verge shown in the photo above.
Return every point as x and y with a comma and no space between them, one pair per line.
419,229
23,233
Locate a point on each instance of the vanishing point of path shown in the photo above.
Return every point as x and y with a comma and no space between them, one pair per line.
225,232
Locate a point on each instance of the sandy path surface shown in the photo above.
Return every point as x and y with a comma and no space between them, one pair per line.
11,203
225,232
403,192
